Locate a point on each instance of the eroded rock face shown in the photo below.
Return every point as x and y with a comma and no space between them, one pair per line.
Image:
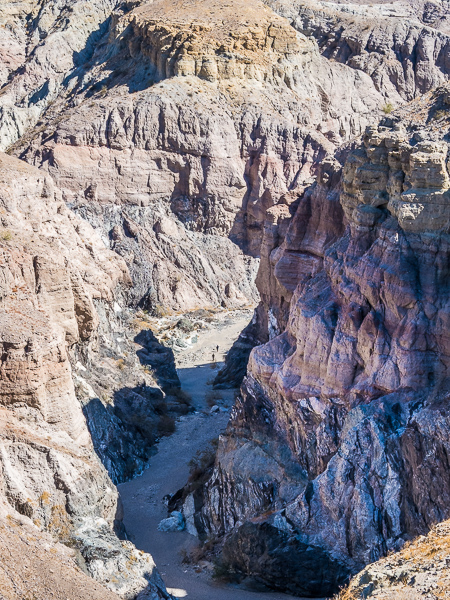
403,45
174,129
32,563
231,108
189,139
41,45
54,267
419,570
343,409
215,42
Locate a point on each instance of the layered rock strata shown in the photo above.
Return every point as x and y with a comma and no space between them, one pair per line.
177,126
340,434
205,116
403,45
189,135
53,268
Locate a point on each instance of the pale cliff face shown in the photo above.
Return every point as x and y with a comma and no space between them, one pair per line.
53,267
202,118
189,124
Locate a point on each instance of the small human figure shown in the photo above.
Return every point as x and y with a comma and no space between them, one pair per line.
217,348
214,357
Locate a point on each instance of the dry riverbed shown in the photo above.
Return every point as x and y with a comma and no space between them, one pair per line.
169,468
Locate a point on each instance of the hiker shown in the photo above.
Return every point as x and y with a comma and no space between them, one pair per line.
217,348
214,357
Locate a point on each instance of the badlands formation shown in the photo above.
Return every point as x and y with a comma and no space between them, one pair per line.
179,157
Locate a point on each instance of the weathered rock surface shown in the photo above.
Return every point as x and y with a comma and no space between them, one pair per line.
129,572
403,45
175,522
33,565
53,268
341,428
189,138
419,570
125,383
178,127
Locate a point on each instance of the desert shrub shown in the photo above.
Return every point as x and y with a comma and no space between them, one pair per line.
166,425
160,407
60,524
178,401
160,311
185,325
222,572
405,593
6,235
346,594
194,555
440,114
388,108
44,498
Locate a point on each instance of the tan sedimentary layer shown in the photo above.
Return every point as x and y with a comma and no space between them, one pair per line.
419,570
213,40
52,267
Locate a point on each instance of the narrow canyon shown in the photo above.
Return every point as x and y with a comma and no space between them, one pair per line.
224,299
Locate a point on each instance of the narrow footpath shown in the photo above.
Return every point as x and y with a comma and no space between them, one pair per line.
169,470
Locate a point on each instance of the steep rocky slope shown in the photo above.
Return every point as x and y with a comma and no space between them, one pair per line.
403,45
419,570
33,566
337,448
175,127
53,268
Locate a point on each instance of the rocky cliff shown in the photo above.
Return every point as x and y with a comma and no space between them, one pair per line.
337,446
174,129
54,267
178,145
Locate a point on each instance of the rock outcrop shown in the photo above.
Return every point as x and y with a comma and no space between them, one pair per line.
53,268
340,434
176,146
419,570
34,566
173,129
403,45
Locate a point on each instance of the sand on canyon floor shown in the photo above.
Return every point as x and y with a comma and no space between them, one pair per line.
168,470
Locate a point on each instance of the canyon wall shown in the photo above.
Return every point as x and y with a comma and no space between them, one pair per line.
337,447
54,267
178,147
174,129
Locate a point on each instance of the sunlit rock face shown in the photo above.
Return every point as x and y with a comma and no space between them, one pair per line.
187,139
173,128
54,268
343,413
